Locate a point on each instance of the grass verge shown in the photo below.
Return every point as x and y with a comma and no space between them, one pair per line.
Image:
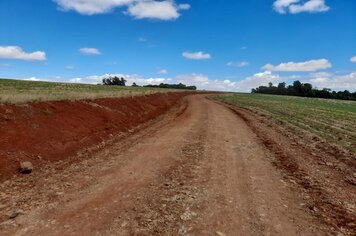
331,120
20,91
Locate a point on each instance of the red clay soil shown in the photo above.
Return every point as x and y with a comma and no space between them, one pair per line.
52,131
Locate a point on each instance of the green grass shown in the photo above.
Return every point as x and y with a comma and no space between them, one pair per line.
20,91
331,120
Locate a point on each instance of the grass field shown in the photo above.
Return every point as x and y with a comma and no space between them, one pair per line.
20,91
331,120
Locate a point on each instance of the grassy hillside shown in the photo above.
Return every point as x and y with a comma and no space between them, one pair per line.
332,120
19,91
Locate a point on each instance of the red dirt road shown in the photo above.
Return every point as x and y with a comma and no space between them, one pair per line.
200,169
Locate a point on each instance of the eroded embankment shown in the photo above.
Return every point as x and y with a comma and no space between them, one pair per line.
52,131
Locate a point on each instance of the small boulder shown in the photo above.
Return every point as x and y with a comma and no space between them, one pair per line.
26,167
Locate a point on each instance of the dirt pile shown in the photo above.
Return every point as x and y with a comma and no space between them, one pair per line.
52,131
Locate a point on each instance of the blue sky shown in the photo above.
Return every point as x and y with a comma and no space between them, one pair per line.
221,45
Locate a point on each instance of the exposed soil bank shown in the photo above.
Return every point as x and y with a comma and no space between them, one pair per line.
52,131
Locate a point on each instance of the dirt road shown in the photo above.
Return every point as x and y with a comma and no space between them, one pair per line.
198,170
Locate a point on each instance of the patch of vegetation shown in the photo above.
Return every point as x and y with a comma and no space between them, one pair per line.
304,90
331,120
172,86
114,81
20,91
122,82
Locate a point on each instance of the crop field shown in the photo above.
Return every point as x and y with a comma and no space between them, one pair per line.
20,91
331,120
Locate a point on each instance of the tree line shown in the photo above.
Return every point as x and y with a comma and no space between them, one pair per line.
172,86
115,80
304,90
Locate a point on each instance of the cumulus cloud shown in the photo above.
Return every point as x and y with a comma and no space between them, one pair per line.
237,64
353,59
298,6
91,7
15,52
162,72
162,10
203,82
193,79
258,79
139,9
311,65
95,79
320,75
342,82
317,79
281,6
90,51
196,55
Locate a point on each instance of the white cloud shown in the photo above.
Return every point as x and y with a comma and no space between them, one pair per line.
139,9
200,80
258,79
203,82
95,79
15,52
311,65
90,51
193,79
162,72
343,82
353,59
294,77
91,7
162,10
319,79
298,6
281,6
184,6
39,79
320,74
70,67
237,64
154,80
196,55
75,80
310,6
5,65
33,79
